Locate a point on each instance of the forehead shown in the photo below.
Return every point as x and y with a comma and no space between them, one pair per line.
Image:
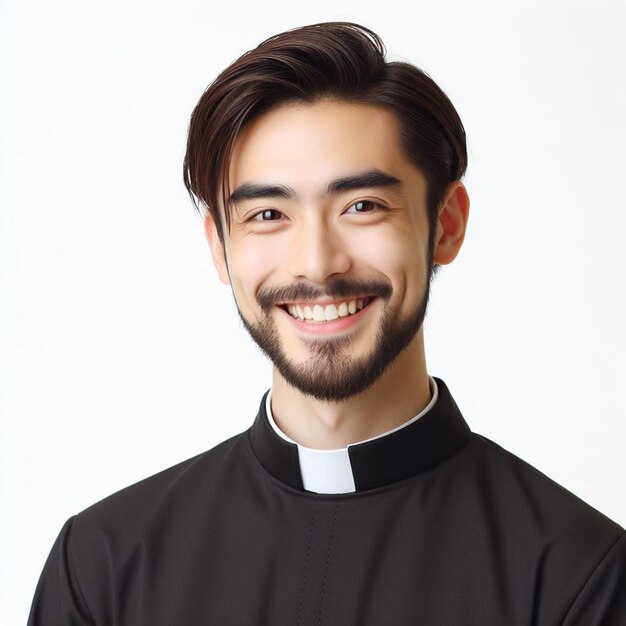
305,145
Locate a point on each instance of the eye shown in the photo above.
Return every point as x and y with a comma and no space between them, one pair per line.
267,215
364,206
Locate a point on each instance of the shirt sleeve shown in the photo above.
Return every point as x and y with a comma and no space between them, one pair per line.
602,600
58,599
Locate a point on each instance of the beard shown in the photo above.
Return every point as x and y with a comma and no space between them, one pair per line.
331,373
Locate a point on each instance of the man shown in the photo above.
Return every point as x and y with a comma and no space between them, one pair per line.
330,182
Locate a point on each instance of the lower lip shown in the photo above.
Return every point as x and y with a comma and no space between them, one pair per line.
339,325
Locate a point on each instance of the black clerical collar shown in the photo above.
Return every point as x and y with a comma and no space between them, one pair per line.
426,440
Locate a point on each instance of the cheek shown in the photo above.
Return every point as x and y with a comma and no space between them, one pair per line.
251,263
398,254
392,251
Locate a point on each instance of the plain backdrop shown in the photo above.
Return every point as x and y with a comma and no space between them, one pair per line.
122,354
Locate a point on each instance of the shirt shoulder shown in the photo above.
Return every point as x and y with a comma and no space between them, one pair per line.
97,549
524,487
574,553
170,493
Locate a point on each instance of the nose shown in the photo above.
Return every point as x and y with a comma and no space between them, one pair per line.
317,253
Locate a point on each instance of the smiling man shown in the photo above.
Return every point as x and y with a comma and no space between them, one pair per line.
330,182
328,256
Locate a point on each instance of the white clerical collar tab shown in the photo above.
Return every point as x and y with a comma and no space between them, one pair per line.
326,471
330,471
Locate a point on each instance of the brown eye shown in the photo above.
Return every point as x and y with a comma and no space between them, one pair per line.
363,206
267,215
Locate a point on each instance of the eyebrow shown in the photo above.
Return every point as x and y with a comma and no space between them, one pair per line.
370,178
252,191
360,180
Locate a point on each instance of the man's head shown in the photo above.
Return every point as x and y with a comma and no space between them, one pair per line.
326,172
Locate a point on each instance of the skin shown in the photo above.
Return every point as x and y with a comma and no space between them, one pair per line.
314,238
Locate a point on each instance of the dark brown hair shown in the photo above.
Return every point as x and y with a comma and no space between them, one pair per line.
338,60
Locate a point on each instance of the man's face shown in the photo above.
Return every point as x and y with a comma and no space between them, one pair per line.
327,252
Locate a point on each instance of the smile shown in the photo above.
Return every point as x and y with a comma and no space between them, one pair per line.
326,312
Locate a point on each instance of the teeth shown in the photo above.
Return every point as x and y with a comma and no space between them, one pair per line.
330,313
327,313
318,313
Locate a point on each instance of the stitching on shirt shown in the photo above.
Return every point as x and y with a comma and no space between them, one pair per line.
308,558
328,553
595,569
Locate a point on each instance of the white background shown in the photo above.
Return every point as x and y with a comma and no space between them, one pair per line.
122,354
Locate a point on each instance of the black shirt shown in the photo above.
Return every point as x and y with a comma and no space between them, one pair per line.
445,527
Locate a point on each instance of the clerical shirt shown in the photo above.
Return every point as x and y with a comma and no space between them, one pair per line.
440,526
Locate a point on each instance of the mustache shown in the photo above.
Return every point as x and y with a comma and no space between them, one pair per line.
338,289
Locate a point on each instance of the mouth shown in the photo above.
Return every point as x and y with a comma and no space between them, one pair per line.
325,312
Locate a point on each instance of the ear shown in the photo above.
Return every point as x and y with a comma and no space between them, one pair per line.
217,250
451,224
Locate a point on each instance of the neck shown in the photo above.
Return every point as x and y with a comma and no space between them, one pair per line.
399,394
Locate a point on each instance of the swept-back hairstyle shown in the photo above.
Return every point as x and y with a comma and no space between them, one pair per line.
339,60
